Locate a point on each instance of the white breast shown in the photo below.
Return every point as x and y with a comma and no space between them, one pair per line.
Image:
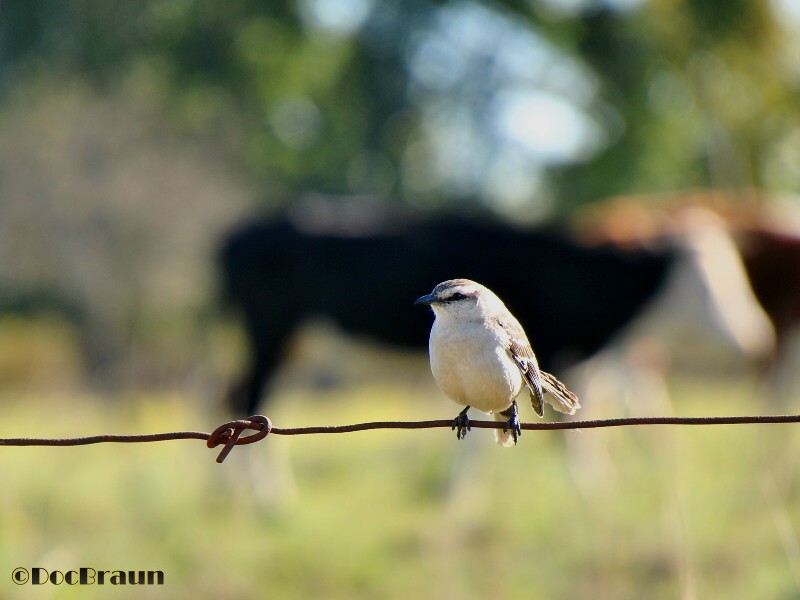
472,367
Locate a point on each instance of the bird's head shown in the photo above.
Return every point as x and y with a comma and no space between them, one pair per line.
462,299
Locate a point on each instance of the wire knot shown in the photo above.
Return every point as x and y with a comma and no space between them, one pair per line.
229,433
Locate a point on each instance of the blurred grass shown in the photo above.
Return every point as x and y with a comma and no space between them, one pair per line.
694,513
37,351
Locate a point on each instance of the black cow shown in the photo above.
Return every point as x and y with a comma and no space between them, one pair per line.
570,299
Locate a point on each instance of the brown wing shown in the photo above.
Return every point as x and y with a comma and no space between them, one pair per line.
520,350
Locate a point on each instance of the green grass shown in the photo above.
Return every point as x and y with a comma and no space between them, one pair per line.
668,513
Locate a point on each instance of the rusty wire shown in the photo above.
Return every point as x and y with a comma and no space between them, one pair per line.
229,434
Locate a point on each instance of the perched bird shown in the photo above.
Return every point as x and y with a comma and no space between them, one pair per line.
481,357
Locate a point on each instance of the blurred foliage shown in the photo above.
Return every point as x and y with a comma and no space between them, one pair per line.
110,220
688,92
133,134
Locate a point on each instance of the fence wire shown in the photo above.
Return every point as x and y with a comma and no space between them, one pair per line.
229,434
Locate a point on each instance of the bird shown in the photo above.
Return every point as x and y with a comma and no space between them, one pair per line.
480,357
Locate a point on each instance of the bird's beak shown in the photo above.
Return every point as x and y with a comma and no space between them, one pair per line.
426,299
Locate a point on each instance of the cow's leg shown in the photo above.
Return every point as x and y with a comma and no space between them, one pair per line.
268,331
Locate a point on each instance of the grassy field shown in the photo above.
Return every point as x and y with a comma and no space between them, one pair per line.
636,513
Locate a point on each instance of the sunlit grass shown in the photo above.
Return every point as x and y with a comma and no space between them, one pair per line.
695,512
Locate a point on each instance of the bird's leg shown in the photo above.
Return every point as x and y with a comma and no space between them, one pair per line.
461,424
513,421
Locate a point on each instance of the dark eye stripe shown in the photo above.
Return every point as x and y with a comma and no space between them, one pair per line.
456,296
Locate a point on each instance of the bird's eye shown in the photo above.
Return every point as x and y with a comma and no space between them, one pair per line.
456,296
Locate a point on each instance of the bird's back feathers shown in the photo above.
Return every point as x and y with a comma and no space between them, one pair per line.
537,381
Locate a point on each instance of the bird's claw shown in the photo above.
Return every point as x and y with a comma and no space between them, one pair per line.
513,424
461,425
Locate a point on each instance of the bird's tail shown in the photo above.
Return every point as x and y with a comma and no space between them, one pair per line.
559,396
504,438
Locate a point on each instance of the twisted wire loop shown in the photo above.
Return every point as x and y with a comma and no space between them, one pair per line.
229,434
